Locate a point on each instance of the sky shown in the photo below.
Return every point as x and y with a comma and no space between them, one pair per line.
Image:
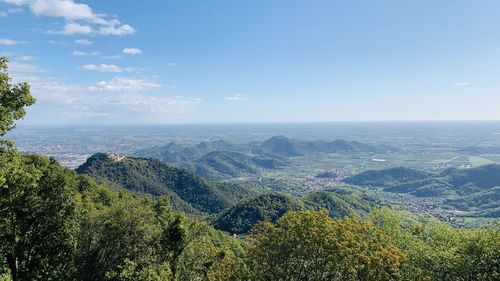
231,61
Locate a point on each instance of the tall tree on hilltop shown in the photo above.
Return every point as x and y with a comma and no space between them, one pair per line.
14,98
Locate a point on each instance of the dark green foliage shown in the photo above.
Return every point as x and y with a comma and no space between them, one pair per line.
333,203
267,207
473,189
282,146
484,204
429,187
482,177
437,251
387,177
341,146
230,164
13,99
125,231
227,163
271,161
38,226
156,177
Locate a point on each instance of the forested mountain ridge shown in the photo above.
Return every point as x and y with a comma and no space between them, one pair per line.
155,177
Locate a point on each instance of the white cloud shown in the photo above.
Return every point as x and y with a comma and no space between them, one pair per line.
236,97
25,58
171,64
23,68
71,28
132,51
119,84
10,42
107,68
79,17
461,84
82,53
119,30
66,100
139,103
84,42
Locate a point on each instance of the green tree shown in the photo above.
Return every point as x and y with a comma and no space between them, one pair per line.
38,225
13,99
309,245
119,238
437,251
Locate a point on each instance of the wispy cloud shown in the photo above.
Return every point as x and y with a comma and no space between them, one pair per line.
171,64
120,84
82,53
461,84
73,28
107,68
122,98
80,18
84,42
24,58
132,51
236,97
23,68
10,42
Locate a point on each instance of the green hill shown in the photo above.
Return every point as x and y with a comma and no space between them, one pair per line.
293,147
229,164
240,218
282,146
156,177
474,189
336,206
386,177
475,179
340,146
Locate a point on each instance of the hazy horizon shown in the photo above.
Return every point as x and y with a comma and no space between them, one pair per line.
190,62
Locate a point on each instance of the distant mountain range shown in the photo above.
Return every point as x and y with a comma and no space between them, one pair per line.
219,159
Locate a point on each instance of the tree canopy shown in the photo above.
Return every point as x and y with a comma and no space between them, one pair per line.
14,98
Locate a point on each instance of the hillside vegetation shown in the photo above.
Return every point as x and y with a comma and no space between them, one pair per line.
156,178
473,189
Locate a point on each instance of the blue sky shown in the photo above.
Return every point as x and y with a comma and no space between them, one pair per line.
129,62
